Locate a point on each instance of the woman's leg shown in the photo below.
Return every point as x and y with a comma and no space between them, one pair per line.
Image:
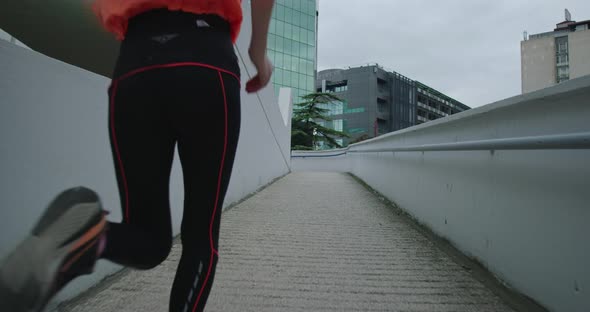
208,122
142,144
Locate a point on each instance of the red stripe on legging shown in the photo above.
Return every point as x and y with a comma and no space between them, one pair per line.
213,251
116,148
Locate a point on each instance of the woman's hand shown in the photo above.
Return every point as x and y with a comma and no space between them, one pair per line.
264,71
261,12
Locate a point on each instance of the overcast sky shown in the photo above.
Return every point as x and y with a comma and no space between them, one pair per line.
467,49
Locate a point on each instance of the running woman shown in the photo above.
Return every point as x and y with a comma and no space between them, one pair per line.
176,83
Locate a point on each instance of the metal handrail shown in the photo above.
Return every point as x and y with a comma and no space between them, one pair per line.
318,156
544,142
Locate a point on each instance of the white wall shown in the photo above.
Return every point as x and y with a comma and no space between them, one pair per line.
265,139
8,37
538,64
54,135
525,215
579,44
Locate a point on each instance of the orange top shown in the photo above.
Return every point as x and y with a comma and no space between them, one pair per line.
114,14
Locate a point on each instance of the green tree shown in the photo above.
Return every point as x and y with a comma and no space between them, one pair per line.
306,132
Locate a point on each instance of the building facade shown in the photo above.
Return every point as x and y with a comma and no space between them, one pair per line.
376,101
292,45
553,57
431,104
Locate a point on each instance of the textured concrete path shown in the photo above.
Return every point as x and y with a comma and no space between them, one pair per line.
312,242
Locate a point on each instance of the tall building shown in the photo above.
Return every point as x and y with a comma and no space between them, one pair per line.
556,56
292,45
377,101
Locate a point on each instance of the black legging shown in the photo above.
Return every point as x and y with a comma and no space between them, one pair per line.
176,82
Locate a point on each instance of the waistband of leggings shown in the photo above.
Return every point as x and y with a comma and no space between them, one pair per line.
162,21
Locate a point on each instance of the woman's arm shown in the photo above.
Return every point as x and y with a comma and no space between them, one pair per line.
261,12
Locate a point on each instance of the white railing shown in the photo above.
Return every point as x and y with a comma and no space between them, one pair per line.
541,142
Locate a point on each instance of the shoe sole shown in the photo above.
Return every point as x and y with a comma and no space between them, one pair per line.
32,273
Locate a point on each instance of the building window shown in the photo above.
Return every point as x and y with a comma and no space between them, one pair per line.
562,59
354,110
563,73
333,108
337,88
357,130
338,125
562,47
340,108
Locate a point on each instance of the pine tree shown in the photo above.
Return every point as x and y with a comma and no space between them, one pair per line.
306,132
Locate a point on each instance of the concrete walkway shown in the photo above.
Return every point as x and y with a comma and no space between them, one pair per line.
311,242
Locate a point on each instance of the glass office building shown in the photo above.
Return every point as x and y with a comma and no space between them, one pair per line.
292,46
